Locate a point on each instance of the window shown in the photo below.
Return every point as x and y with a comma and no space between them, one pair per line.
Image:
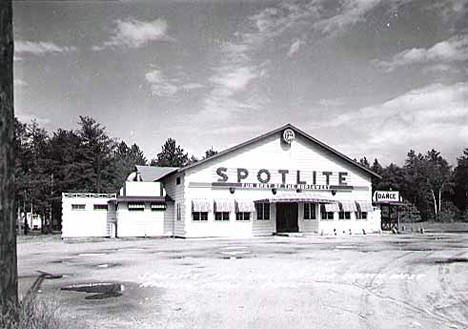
310,211
324,215
222,215
344,215
136,206
243,216
360,214
158,206
78,207
178,180
178,212
200,216
100,207
263,211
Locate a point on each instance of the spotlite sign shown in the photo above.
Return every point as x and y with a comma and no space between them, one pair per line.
386,196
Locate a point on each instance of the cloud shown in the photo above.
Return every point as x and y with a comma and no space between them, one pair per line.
331,102
160,85
233,79
295,46
348,13
134,33
435,116
39,48
192,86
451,50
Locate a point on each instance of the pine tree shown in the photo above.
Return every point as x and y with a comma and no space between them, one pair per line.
461,182
96,151
171,155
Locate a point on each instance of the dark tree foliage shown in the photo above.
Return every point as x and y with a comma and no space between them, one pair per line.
82,160
364,162
171,155
460,182
125,160
210,153
425,180
96,152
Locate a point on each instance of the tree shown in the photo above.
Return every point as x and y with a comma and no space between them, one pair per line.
438,175
125,159
414,188
96,153
377,168
192,160
8,269
460,176
364,162
210,153
171,155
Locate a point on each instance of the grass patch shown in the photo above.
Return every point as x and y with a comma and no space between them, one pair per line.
35,312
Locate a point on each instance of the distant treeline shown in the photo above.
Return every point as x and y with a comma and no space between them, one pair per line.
438,191
86,159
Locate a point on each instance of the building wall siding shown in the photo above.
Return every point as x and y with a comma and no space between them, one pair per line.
84,223
145,223
176,192
269,153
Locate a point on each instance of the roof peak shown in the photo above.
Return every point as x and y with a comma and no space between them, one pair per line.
275,131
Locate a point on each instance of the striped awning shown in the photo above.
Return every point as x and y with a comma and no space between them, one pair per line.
245,206
349,206
365,206
332,207
296,197
201,205
223,205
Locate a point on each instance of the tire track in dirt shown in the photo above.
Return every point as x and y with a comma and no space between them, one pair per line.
368,287
451,294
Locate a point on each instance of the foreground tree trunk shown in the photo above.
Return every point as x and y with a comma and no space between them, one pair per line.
8,270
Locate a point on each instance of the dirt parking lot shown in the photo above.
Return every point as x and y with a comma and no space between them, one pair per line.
386,281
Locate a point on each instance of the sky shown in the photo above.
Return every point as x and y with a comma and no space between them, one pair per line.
371,78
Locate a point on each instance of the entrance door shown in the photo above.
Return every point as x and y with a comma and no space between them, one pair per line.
286,217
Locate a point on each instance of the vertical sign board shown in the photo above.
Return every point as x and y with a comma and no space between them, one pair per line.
386,196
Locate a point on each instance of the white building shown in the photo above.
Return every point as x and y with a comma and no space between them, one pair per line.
282,181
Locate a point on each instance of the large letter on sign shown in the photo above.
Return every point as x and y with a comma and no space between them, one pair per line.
242,173
342,178
261,179
283,173
222,174
327,174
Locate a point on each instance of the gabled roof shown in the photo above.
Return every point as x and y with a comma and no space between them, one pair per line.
275,131
266,135
151,173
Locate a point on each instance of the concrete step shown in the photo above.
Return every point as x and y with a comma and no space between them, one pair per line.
290,234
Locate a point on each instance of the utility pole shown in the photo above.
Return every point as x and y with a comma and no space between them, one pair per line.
8,269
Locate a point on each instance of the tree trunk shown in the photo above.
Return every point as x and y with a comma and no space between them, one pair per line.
8,270
435,203
440,200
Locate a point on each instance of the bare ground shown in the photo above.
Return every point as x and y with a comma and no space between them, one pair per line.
410,281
